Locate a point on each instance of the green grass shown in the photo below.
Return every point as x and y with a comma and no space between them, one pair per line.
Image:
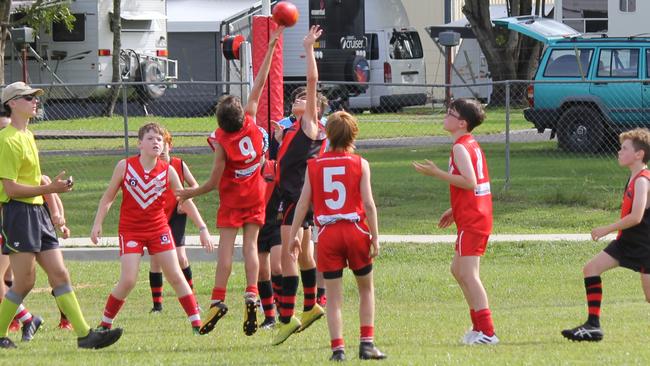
412,122
535,290
550,191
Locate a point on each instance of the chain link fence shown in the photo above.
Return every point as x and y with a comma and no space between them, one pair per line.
554,142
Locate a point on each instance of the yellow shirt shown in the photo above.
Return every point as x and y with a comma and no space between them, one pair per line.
19,162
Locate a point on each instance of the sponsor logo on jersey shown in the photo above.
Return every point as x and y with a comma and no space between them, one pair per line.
131,244
164,239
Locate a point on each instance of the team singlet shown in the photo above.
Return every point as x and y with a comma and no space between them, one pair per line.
335,180
637,233
472,208
143,198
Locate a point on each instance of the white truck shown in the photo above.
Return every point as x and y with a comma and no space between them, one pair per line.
83,55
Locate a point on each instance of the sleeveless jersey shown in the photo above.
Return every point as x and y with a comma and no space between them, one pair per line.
143,198
295,150
335,180
472,208
638,233
241,184
170,197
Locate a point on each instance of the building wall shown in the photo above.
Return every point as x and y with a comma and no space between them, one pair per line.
422,14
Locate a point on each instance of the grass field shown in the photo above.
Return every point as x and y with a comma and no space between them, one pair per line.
535,291
412,122
550,192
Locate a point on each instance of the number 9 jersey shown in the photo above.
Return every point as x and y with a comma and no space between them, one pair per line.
335,179
242,184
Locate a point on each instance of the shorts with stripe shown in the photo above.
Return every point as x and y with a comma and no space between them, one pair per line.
134,243
471,244
27,228
289,210
343,244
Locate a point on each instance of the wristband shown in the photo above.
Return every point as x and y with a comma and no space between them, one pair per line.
203,228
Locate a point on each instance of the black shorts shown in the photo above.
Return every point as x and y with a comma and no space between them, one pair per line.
634,256
269,235
177,224
27,228
289,209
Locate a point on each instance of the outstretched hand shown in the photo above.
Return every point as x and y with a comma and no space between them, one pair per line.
314,33
427,167
276,33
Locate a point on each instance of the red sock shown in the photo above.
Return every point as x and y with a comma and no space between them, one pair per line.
367,333
218,294
484,322
472,315
337,344
188,302
23,314
113,306
252,289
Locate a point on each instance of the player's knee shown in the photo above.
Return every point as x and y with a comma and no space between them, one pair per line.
276,269
127,283
59,276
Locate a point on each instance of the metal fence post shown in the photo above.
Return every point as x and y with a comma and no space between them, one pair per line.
507,178
126,121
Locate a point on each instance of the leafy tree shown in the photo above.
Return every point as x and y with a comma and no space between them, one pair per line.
509,55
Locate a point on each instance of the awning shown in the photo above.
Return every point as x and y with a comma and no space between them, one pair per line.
142,15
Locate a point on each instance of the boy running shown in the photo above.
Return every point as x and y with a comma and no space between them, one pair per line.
144,179
631,248
471,210
30,236
337,186
239,147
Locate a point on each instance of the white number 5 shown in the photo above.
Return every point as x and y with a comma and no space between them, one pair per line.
329,185
246,148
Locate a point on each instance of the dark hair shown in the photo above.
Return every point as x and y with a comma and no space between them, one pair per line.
230,113
321,100
469,110
151,126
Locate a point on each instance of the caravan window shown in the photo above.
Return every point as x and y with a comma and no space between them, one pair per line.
564,63
627,6
78,33
405,45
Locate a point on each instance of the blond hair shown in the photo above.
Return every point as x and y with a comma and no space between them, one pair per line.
640,138
342,129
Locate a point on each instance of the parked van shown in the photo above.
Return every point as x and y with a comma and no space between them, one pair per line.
83,55
395,56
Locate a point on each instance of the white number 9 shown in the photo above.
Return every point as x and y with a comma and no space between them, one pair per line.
247,149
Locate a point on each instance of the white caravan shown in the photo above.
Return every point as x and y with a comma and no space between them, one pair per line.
83,55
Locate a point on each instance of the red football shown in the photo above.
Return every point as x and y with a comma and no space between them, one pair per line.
285,13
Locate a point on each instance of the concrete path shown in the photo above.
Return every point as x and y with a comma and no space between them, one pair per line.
107,250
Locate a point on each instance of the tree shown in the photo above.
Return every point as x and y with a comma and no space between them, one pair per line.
35,15
117,48
509,55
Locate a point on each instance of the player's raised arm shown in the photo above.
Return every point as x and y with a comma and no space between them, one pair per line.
107,200
260,80
310,118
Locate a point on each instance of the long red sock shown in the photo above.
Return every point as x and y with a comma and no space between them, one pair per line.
367,334
484,322
218,294
337,344
113,306
472,315
188,302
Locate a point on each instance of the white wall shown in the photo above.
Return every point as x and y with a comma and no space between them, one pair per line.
422,14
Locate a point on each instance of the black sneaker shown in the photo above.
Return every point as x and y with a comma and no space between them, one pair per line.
268,323
216,312
250,317
585,332
6,343
97,339
156,310
29,329
338,356
368,351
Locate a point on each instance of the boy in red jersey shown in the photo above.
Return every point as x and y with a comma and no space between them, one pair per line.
305,139
143,179
337,185
177,217
631,248
239,147
471,210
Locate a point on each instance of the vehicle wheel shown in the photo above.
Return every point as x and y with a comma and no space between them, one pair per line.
581,129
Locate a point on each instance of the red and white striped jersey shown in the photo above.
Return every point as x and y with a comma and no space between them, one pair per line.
335,179
472,208
143,200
